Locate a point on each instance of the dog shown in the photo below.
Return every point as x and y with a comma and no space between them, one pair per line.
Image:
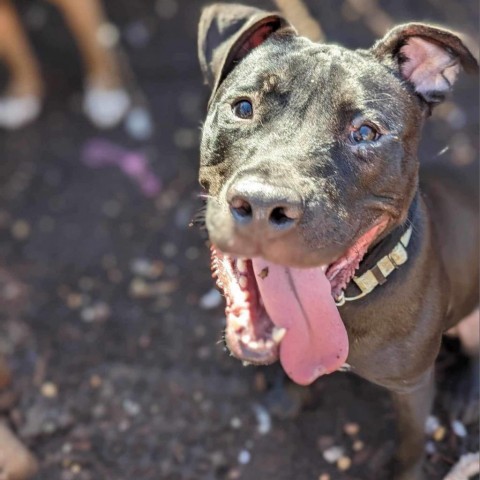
333,248
106,100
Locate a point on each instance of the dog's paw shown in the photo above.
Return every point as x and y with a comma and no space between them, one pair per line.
18,111
106,107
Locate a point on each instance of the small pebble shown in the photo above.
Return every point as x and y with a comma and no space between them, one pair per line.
344,463
131,408
98,312
67,448
146,268
95,381
333,454
211,299
20,230
264,420
358,445
430,448
244,457
74,300
49,390
459,429
139,124
351,429
431,424
439,434
235,423
234,474
139,288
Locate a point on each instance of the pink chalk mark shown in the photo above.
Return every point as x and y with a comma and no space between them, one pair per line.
99,153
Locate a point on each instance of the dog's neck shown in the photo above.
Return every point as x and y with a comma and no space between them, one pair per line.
383,247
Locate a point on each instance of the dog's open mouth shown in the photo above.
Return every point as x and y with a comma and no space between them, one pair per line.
276,312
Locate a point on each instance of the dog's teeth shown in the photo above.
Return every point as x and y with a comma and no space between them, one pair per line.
243,282
245,338
253,344
241,322
246,364
242,266
278,333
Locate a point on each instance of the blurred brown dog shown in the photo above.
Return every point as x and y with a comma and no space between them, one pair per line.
105,101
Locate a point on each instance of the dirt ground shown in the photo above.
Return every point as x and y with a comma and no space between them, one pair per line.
108,320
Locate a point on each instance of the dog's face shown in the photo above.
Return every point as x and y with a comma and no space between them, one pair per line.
308,158
322,137
307,146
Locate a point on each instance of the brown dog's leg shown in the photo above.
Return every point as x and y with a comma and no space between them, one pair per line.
16,52
297,13
106,102
21,102
412,410
84,19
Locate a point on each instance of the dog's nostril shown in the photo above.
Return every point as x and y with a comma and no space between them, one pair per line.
241,210
279,217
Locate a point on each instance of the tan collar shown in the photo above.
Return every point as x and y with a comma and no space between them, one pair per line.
377,275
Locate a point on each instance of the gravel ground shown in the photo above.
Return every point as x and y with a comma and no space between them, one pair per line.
109,326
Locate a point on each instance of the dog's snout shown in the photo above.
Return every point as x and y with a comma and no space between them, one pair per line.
256,204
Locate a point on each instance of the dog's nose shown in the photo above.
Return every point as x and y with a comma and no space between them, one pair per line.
257,204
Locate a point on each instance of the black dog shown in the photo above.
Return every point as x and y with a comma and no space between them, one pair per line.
325,246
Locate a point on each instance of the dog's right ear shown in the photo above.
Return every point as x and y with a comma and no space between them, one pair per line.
228,32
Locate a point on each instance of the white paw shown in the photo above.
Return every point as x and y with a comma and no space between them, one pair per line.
15,112
105,108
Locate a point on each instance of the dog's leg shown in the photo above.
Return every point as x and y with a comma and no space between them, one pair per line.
106,101
466,391
297,13
412,410
21,102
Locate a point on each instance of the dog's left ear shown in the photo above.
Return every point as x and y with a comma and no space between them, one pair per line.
428,57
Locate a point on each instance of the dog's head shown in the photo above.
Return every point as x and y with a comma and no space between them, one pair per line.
308,151
307,145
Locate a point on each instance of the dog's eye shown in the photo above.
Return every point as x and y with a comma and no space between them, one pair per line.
364,133
243,109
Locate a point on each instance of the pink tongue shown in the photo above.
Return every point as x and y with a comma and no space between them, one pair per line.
300,300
